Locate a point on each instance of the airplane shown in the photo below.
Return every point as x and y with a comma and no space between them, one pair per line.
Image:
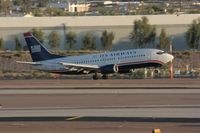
123,61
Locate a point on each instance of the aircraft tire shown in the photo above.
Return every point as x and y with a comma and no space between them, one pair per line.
95,77
156,71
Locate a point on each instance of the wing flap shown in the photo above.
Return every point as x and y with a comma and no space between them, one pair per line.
73,65
85,68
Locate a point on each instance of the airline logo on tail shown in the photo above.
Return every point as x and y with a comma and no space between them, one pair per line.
35,48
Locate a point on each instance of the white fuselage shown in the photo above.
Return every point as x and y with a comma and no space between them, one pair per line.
130,58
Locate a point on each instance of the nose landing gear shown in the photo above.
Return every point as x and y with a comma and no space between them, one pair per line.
156,71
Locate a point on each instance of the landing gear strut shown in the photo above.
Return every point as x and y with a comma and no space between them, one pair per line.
95,77
157,73
105,76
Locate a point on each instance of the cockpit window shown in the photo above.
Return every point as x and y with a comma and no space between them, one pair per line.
160,52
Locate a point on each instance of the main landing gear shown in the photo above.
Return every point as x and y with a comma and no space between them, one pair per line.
105,76
97,76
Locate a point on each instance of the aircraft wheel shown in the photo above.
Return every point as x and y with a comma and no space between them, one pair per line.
156,71
95,77
105,76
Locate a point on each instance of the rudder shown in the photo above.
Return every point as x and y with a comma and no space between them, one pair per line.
37,50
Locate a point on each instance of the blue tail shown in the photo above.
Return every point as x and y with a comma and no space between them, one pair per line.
37,50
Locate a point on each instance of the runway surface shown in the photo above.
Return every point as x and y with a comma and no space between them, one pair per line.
97,100
168,102
97,127
146,112
100,91
101,84
87,106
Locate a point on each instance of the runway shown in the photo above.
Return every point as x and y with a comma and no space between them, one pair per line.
131,112
87,106
101,84
99,91
172,101
97,127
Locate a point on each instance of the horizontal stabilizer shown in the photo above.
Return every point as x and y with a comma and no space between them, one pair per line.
29,63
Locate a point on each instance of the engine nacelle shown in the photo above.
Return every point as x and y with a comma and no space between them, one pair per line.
124,71
109,69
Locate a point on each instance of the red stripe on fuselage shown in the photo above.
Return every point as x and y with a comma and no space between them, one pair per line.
127,63
138,62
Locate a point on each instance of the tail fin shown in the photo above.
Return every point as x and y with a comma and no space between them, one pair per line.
37,50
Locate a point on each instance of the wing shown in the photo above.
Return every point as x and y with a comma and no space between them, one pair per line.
86,68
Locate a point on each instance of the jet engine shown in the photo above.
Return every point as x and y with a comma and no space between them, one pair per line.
125,71
109,69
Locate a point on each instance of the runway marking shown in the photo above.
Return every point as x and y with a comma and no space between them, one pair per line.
73,118
101,91
76,114
101,107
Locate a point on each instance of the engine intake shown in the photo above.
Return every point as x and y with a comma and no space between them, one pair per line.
109,69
